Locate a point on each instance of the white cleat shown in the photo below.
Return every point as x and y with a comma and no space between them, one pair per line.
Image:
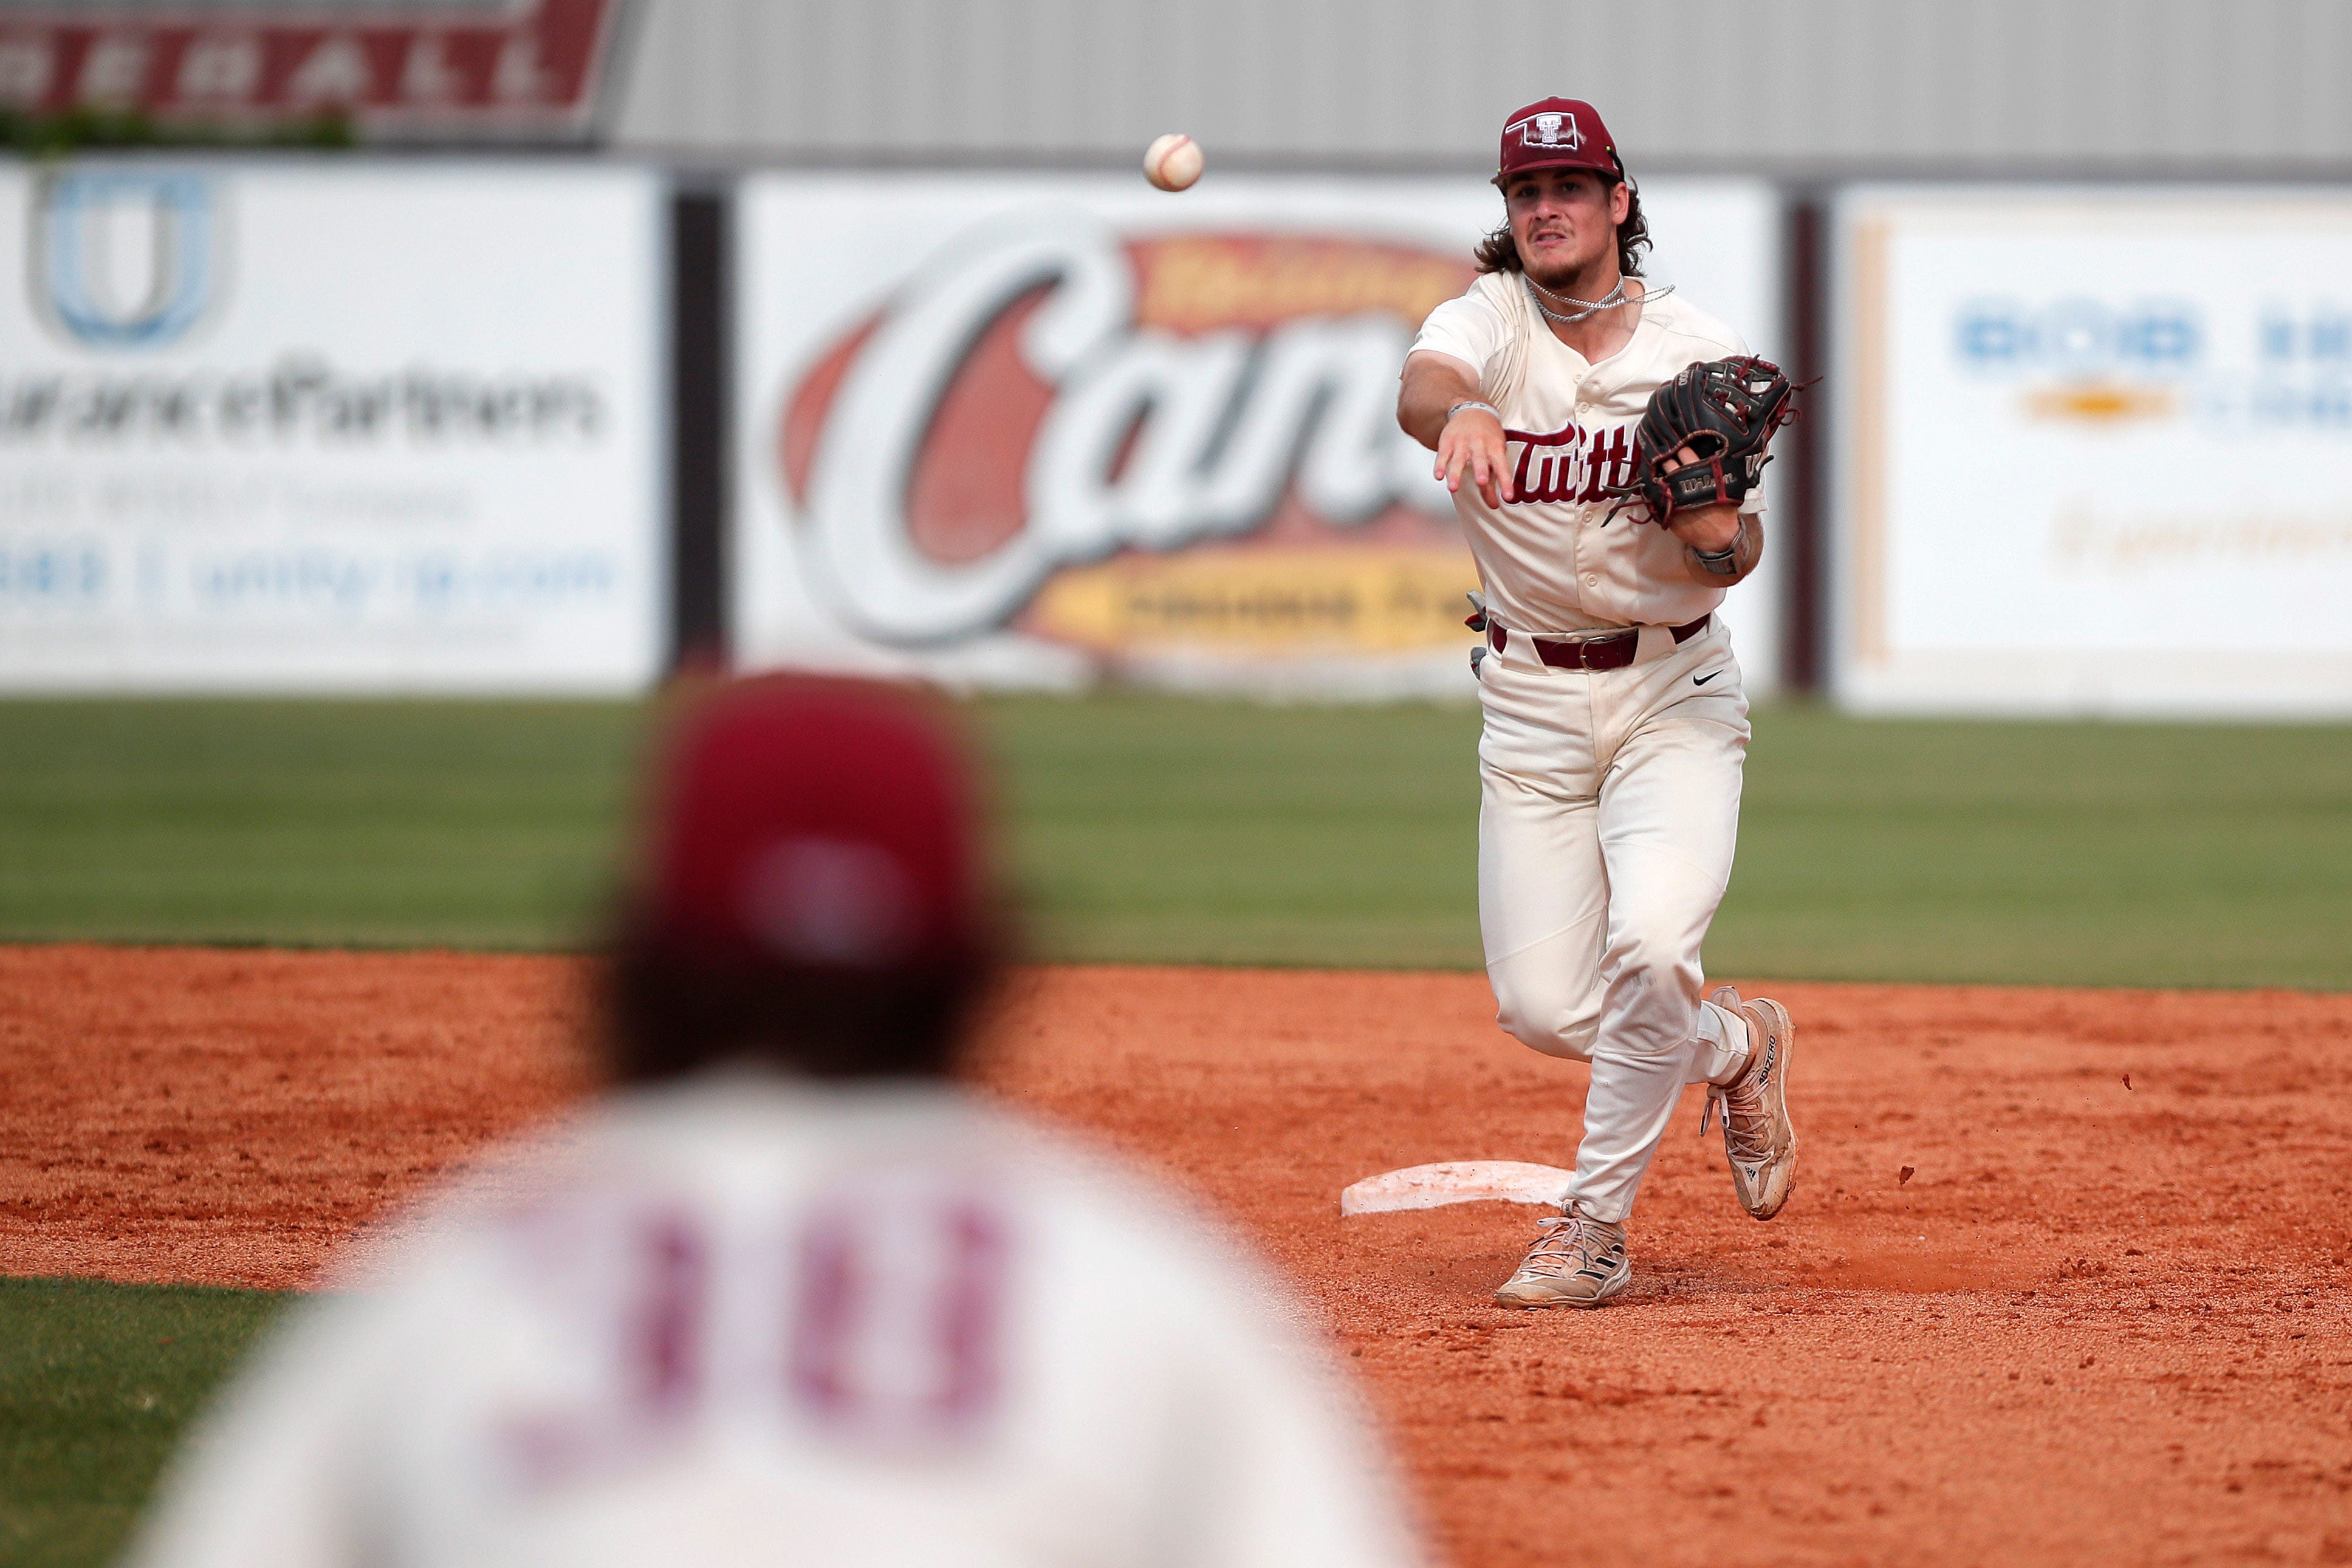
1575,1262
1758,1136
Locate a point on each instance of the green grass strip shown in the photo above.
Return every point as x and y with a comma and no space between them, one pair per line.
374,823
2064,853
1162,828
98,1381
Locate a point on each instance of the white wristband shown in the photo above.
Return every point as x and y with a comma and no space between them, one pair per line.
1472,402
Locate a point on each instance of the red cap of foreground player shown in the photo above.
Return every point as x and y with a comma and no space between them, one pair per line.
816,823
1558,133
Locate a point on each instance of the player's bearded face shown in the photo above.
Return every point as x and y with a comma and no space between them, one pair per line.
1565,221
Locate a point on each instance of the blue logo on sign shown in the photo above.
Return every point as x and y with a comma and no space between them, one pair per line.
2078,335
123,259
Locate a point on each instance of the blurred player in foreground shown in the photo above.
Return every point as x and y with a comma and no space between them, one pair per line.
789,1295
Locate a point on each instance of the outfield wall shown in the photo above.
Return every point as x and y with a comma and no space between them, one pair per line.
337,427
2093,451
1041,431
366,425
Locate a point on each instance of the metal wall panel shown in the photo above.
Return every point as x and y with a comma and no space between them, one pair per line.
2175,86
130,12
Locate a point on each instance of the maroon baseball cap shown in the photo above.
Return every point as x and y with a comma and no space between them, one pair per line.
1558,133
816,823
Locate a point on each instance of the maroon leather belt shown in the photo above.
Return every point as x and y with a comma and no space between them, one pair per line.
1613,652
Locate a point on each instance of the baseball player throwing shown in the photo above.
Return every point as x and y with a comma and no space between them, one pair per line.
791,1296
1615,725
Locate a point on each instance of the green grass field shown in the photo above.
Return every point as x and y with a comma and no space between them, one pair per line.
1139,828
97,1382
1167,828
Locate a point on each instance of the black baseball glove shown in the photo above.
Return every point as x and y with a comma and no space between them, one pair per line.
1720,415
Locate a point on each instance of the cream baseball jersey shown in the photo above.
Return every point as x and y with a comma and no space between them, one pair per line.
736,1322
1553,558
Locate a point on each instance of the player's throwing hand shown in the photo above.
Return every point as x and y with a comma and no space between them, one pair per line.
1470,449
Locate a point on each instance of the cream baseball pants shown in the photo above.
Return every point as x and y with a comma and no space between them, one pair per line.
1608,811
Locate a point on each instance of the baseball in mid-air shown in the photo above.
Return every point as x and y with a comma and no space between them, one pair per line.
1173,162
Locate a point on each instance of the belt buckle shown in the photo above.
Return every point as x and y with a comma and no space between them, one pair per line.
1577,651
1564,653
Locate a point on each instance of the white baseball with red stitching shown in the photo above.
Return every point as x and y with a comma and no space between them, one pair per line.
1173,162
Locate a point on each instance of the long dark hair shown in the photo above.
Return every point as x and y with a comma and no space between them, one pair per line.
1498,252
670,1011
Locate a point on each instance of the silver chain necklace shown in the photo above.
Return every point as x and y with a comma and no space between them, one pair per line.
1615,298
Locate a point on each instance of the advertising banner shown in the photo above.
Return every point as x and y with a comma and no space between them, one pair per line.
331,426
2093,451
433,67
1037,431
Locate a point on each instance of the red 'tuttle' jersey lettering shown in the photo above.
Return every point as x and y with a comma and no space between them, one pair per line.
1571,464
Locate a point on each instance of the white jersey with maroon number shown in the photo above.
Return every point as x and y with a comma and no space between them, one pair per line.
1551,559
736,1323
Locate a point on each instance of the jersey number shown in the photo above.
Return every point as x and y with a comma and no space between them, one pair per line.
885,1332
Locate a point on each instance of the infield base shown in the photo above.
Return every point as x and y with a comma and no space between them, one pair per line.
1454,1181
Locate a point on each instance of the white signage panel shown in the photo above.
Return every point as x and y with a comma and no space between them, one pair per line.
334,426
2095,451
1039,430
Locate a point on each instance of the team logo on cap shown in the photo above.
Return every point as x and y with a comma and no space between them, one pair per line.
1550,129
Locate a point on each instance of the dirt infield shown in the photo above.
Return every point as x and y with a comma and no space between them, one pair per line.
2104,1321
